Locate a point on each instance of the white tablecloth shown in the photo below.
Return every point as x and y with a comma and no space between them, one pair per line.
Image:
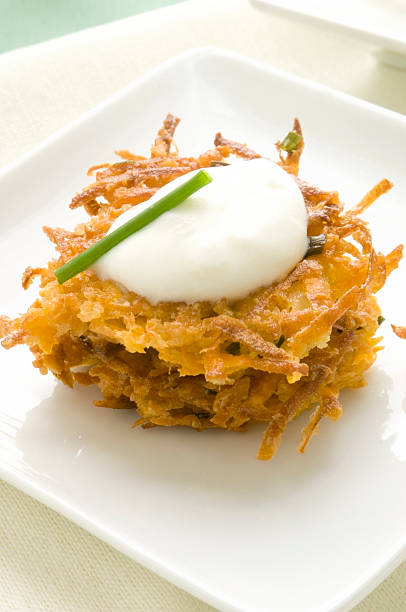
46,562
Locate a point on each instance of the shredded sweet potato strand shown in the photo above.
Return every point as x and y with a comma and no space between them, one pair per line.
399,331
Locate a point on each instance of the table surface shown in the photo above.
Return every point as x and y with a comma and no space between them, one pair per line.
47,562
25,22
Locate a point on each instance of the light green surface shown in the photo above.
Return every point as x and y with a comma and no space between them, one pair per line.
25,22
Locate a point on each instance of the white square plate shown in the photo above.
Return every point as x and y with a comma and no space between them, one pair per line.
301,533
380,23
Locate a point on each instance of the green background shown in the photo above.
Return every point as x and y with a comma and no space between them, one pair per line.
24,22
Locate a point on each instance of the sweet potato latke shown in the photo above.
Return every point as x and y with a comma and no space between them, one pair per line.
266,358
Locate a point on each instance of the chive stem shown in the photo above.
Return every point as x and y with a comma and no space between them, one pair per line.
291,141
85,259
234,348
280,341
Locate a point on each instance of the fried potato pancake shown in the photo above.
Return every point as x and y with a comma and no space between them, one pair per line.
283,349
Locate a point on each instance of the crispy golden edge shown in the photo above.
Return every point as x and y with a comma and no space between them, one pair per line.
281,350
399,331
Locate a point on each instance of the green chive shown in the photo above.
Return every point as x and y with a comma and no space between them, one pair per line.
381,319
280,341
234,348
316,244
85,259
291,142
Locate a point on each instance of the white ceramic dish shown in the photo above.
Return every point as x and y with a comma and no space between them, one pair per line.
310,533
379,23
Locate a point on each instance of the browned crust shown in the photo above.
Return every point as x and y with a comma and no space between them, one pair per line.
163,141
227,147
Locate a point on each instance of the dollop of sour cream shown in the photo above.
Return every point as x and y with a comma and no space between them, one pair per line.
246,229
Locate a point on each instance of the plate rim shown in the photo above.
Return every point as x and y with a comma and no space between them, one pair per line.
356,591
190,54
388,43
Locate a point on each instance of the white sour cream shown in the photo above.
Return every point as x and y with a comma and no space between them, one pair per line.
246,229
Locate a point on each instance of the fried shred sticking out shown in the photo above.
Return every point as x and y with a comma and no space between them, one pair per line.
399,331
266,358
